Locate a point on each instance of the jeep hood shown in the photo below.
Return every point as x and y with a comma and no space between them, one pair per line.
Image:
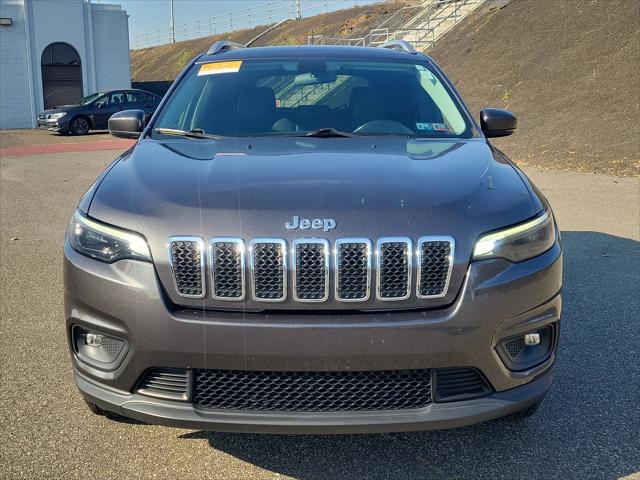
372,188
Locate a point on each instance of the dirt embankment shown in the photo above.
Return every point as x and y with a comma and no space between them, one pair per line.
569,69
164,62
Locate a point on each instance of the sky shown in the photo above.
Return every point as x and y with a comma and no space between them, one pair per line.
147,16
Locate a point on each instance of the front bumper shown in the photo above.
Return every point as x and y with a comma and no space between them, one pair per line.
497,300
61,125
433,417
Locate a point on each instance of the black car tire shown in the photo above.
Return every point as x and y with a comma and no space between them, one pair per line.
79,126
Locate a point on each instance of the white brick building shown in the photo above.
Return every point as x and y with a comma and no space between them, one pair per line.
57,51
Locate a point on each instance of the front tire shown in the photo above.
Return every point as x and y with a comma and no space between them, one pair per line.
79,126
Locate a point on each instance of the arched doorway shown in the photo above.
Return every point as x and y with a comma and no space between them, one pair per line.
61,75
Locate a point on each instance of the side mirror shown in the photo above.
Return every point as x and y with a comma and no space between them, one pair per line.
100,104
496,122
127,124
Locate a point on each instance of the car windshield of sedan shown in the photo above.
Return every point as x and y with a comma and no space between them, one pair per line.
90,98
336,98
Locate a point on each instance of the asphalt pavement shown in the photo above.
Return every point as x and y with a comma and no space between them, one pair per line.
586,428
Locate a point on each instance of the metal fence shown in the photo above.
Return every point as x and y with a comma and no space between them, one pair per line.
264,14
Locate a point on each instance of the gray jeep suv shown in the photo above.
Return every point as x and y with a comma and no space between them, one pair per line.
313,239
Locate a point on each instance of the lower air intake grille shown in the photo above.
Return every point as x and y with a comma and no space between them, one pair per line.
269,270
188,266
170,383
454,384
435,267
312,391
353,269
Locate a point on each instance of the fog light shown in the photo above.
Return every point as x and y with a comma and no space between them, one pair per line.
98,349
532,339
527,349
93,339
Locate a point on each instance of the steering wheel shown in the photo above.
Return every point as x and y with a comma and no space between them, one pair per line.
383,126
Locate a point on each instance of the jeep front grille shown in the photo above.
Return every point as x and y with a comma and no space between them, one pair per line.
227,269
394,268
435,266
186,256
269,269
353,269
310,270
307,265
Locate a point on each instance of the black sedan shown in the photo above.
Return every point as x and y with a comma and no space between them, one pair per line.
93,111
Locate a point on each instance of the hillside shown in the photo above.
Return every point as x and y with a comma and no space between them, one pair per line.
164,62
570,70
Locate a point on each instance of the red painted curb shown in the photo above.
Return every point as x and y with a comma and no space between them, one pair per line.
66,147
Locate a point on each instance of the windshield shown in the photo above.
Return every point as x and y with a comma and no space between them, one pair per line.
284,97
90,98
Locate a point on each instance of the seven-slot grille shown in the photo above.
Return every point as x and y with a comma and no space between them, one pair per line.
309,270
227,269
435,266
269,269
394,268
187,260
353,269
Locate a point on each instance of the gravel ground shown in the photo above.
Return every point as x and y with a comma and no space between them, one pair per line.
585,429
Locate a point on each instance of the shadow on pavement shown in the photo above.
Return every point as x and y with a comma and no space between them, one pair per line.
586,428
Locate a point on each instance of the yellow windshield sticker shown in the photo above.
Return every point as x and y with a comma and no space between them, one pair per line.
220,67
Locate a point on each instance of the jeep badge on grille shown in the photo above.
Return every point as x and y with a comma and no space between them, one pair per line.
325,224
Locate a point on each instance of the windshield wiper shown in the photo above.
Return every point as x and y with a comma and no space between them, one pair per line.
327,133
195,133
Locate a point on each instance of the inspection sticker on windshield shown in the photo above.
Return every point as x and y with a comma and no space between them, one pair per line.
231,66
432,127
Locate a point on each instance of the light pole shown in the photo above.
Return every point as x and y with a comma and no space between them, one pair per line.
172,26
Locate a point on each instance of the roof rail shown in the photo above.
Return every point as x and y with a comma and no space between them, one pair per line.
222,46
401,46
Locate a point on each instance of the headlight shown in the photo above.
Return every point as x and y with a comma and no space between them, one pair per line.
519,242
105,243
56,116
